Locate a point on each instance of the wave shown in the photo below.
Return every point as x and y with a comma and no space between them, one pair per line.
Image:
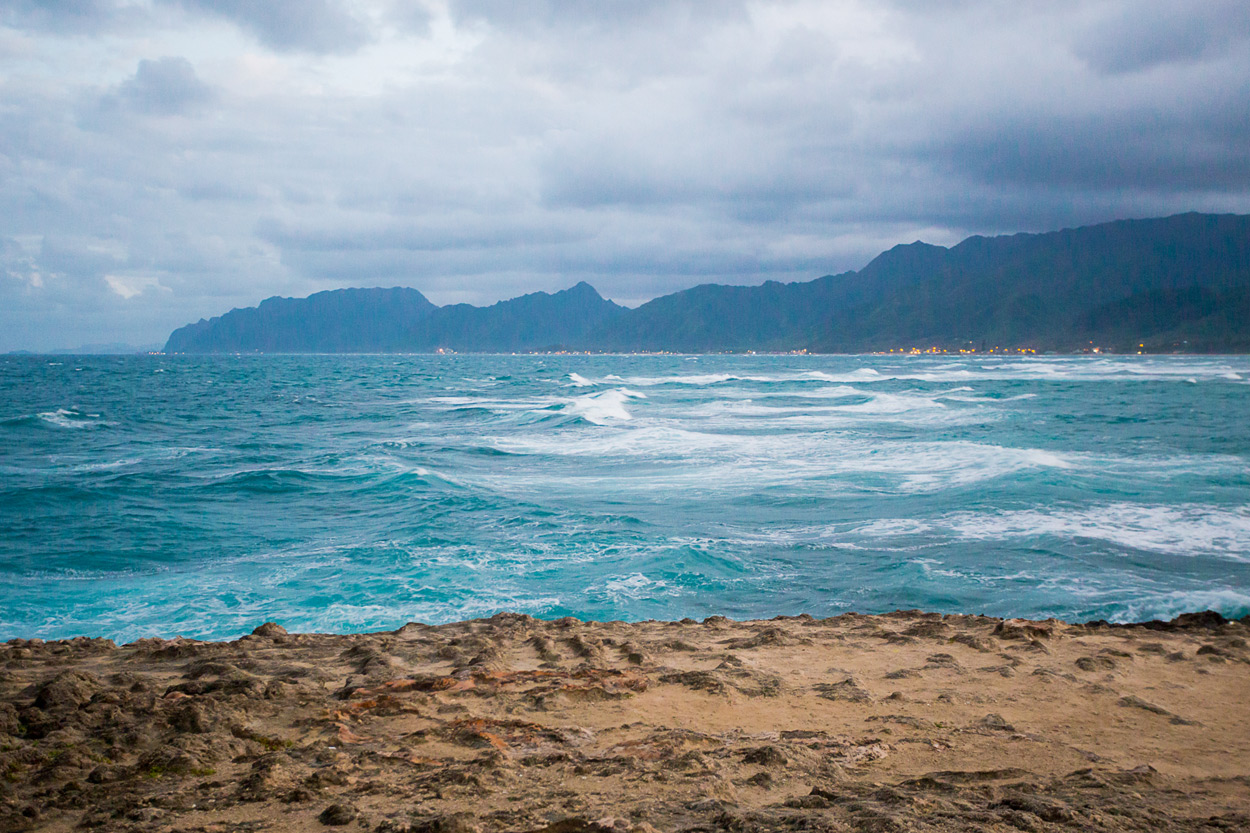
619,487
604,407
71,418
1025,370
1147,605
622,589
655,457
1186,530
846,407
699,379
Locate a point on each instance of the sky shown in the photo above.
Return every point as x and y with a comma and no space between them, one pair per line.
167,160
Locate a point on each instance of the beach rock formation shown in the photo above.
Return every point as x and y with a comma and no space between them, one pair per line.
907,721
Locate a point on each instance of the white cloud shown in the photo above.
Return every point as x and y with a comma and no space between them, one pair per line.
131,286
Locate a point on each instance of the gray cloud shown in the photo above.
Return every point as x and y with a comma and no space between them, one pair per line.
292,25
1151,34
70,16
501,148
164,87
606,15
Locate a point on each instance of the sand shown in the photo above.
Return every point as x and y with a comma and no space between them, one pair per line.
907,721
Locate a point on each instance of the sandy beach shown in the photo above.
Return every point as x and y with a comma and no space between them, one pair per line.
905,721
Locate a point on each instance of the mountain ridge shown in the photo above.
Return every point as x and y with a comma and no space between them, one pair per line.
1171,283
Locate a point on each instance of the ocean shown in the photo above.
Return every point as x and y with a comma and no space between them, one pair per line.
200,496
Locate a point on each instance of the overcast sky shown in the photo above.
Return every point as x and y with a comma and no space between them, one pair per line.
166,160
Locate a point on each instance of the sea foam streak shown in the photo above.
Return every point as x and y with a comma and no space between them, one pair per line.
1188,530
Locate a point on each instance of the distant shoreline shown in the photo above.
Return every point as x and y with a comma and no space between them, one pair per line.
794,353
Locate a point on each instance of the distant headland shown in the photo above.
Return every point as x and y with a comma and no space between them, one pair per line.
1173,284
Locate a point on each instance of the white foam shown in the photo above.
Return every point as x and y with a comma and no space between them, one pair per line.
633,587
605,406
72,418
1168,605
839,407
892,403
580,381
662,456
889,527
1074,369
1189,529
456,403
990,400
697,379
933,467
110,466
863,374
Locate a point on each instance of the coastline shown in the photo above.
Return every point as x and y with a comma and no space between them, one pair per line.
900,721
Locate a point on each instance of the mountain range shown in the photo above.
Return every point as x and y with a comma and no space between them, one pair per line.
1178,283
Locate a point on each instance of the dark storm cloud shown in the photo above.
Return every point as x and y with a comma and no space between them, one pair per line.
1183,134
1149,34
1135,153
292,25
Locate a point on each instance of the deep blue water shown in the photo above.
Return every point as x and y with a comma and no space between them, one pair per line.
201,496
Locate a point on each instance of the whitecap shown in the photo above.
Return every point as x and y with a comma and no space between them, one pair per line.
863,374
699,379
605,406
71,418
1188,529
633,587
1168,605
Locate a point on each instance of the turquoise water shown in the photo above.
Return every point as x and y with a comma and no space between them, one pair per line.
146,496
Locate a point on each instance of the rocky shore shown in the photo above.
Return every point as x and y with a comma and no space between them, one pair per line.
906,721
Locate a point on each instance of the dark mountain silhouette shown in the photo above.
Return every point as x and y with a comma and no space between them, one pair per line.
339,321
1158,282
1176,283
398,320
537,321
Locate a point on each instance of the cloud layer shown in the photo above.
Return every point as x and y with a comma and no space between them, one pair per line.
164,160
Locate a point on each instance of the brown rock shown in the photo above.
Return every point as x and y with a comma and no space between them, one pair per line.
769,756
269,630
337,815
1023,629
849,689
9,723
995,723
1095,663
448,823
192,717
69,689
